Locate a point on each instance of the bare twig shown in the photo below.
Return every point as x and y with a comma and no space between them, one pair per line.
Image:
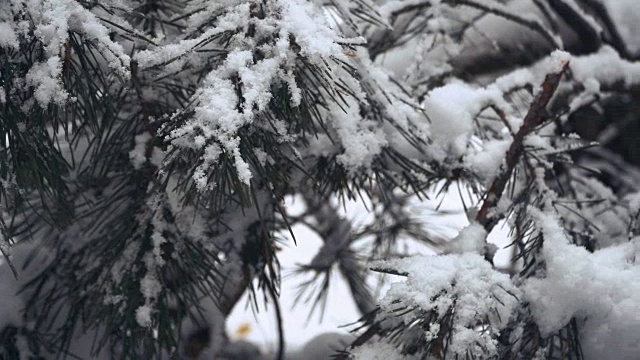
535,117
503,117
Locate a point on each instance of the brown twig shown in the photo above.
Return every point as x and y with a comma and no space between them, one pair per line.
535,116
503,117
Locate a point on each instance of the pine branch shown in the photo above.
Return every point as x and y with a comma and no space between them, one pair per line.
535,117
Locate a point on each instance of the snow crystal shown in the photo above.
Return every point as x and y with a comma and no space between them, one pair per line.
592,86
634,202
244,173
150,286
138,155
45,77
451,110
51,22
143,315
217,115
310,28
472,238
294,90
157,157
606,67
54,29
235,17
558,60
471,341
451,125
211,154
8,38
261,155
466,282
537,142
432,333
61,16
516,79
220,113
361,139
158,240
486,162
112,51
256,83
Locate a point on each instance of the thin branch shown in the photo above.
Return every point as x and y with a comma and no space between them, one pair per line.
614,37
531,24
279,321
583,24
503,117
535,116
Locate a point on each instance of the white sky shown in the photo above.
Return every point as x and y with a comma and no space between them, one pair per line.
340,309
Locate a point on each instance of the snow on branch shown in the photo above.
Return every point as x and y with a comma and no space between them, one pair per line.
51,22
394,9
536,115
234,94
451,295
607,69
601,287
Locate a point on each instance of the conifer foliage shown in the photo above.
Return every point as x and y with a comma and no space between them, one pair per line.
147,148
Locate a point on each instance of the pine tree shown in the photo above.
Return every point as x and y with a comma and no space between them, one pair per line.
148,147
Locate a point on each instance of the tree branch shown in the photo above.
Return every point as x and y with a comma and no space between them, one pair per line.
531,24
535,117
582,24
614,37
